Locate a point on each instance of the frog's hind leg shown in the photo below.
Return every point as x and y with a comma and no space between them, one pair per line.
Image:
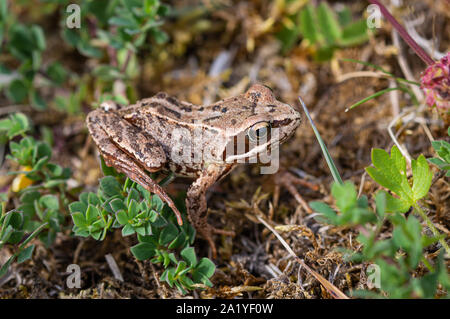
140,146
124,163
197,208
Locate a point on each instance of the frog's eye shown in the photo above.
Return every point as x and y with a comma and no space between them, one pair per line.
258,131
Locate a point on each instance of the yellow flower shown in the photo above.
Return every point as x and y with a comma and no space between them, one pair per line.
21,181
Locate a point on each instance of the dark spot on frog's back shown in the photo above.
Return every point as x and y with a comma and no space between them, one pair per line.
139,154
254,97
172,100
233,121
164,109
216,107
212,118
93,119
148,147
154,104
161,95
186,108
224,110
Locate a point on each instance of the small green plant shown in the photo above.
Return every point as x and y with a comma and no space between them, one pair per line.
43,203
16,124
111,34
390,172
322,31
137,212
401,256
25,45
11,232
41,186
442,148
402,84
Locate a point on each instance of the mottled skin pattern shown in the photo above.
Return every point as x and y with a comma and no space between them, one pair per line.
145,136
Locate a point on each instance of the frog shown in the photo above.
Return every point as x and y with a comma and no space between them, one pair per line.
165,134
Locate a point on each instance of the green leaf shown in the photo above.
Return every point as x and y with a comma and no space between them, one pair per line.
390,172
180,267
156,203
50,202
42,150
206,267
16,124
394,204
17,91
110,186
118,205
108,73
133,209
25,254
168,234
107,171
30,196
122,217
5,266
328,214
204,270
422,177
57,73
38,36
178,242
143,251
308,25
92,213
354,34
127,230
188,255
345,195
87,49
3,11
328,23
93,199
14,219
79,219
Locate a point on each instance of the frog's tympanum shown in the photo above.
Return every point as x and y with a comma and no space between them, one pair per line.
162,133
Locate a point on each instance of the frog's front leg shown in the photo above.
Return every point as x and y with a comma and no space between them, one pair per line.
196,203
126,148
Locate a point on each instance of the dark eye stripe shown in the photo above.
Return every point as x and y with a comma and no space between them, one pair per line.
281,123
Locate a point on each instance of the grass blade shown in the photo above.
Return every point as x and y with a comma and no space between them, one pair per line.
326,154
377,94
376,67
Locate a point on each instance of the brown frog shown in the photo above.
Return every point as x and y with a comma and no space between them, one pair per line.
162,133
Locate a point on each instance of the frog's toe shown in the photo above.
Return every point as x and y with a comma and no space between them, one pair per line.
223,232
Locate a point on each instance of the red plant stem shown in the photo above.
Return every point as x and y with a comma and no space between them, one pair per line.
404,34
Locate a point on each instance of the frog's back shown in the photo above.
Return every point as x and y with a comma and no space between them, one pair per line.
176,125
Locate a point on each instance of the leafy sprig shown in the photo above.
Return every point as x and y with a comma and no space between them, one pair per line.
137,212
390,172
322,30
442,149
398,257
41,186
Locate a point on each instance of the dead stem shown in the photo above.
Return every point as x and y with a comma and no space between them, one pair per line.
332,289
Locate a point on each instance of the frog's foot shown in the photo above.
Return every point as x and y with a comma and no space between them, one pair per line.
288,181
206,231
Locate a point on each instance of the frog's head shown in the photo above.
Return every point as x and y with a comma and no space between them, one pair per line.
261,124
